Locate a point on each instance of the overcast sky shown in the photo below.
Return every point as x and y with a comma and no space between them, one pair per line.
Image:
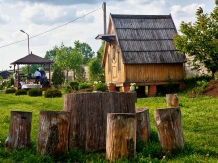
38,16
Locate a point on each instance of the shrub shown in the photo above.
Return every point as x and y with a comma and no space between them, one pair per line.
100,87
35,92
21,92
83,86
52,92
74,85
10,90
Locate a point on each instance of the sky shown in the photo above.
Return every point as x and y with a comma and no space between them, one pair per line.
52,22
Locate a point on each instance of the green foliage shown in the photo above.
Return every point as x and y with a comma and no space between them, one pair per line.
21,92
52,92
58,76
201,140
83,85
7,84
95,70
80,74
32,69
199,40
191,82
67,58
100,87
74,85
84,50
100,51
35,92
10,90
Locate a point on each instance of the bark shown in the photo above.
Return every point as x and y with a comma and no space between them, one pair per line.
53,133
169,125
143,124
121,136
19,130
172,100
88,113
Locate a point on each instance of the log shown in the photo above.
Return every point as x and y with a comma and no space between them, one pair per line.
169,126
53,133
172,100
143,131
19,130
88,112
121,136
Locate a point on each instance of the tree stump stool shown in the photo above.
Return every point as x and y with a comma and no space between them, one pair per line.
53,133
19,130
143,124
121,135
169,126
172,100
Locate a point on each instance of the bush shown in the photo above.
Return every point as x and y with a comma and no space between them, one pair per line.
83,86
74,85
100,87
10,90
52,92
35,92
21,92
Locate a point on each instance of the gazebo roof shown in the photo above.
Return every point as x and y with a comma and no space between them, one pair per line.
32,59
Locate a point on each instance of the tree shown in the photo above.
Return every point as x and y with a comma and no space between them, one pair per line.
200,40
67,58
51,55
85,50
57,76
96,72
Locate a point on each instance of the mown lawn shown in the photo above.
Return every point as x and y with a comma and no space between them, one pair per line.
199,120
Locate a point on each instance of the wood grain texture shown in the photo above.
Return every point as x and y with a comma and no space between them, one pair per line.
88,112
53,133
121,136
169,125
143,124
19,130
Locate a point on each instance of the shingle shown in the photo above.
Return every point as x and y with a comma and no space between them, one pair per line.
146,38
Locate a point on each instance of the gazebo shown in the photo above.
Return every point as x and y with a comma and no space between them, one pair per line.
33,59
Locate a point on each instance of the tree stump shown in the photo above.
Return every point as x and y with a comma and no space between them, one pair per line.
88,112
172,100
53,133
143,124
169,125
19,130
121,135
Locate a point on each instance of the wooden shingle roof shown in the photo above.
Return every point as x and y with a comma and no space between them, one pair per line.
146,38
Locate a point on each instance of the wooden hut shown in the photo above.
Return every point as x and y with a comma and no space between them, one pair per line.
139,49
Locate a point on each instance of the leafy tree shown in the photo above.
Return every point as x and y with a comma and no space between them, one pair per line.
80,74
200,40
85,50
51,55
58,76
32,69
100,51
67,58
96,72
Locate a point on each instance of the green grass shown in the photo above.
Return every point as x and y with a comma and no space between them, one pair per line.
199,121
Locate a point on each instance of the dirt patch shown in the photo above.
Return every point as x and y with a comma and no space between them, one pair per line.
210,90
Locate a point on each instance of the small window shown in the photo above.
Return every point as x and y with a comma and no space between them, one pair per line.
119,63
114,53
109,64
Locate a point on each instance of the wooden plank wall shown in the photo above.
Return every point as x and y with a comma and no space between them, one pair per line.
154,72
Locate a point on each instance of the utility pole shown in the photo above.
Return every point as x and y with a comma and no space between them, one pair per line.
104,16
